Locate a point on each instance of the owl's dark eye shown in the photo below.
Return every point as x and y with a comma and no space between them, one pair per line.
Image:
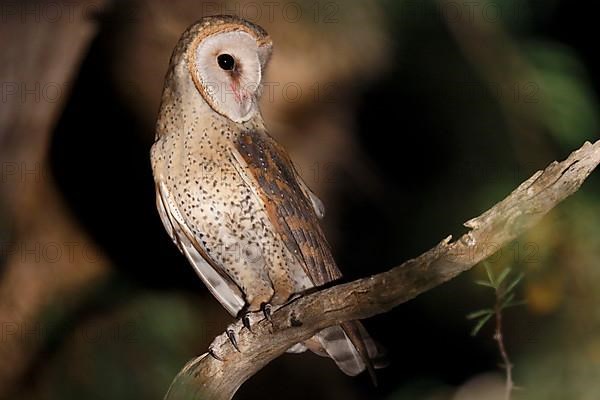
226,62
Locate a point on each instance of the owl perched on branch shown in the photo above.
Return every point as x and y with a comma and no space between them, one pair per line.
228,193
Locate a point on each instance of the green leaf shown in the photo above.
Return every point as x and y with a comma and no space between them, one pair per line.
514,283
490,273
502,276
561,90
480,324
480,313
484,283
507,300
516,303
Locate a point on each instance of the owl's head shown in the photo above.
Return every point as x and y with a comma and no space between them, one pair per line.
226,57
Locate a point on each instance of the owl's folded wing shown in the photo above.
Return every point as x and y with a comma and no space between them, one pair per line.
291,207
219,284
317,204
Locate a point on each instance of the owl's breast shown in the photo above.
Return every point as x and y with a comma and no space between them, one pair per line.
216,204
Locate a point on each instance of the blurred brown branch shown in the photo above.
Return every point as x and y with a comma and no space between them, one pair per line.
208,378
40,55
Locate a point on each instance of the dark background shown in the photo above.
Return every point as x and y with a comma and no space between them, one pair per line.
433,117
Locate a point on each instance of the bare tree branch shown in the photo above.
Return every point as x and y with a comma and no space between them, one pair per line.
208,378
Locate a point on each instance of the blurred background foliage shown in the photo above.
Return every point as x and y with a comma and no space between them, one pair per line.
414,117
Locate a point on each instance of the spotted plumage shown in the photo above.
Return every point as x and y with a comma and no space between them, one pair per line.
229,195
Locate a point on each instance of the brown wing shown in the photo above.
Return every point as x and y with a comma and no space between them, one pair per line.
289,209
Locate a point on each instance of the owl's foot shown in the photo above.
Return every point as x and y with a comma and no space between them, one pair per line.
246,321
214,354
215,349
232,339
249,318
267,309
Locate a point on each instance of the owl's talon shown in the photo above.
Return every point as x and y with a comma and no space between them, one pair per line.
246,321
232,339
214,355
267,308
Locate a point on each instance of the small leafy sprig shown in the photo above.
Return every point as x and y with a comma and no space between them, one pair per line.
504,289
505,296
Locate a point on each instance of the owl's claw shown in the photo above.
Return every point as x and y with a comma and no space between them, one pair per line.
246,321
214,355
233,339
266,309
249,318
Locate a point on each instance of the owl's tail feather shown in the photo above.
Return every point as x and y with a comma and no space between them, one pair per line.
351,347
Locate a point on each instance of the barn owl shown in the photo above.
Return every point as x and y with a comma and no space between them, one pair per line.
228,194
